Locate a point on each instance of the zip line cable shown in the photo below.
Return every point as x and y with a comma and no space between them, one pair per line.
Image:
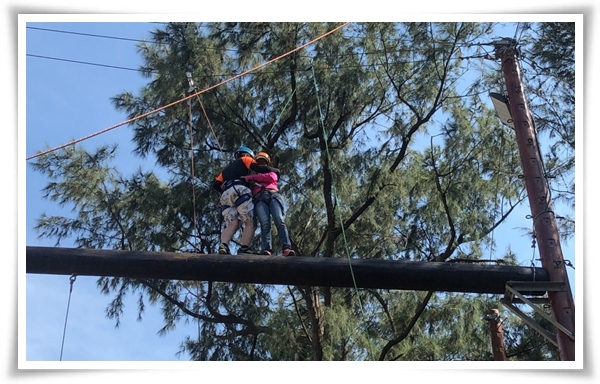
84,63
221,75
85,34
71,280
137,40
190,96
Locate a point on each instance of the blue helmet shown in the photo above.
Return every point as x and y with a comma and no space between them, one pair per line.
244,149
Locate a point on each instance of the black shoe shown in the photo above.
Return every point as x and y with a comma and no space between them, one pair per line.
268,252
224,249
244,249
289,252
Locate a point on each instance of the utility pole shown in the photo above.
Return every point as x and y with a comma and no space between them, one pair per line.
545,229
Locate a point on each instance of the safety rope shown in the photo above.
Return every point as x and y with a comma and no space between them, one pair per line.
195,94
193,89
333,186
192,176
71,280
280,114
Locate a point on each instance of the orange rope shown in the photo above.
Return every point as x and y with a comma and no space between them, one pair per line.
189,96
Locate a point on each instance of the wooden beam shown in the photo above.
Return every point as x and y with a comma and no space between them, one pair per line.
279,270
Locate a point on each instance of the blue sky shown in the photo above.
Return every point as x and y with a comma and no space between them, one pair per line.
67,101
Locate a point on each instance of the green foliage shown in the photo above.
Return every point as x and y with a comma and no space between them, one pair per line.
550,62
523,343
386,150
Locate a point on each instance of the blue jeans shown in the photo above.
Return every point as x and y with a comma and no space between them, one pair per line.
263,211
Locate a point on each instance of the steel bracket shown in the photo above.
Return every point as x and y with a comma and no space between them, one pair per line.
514,295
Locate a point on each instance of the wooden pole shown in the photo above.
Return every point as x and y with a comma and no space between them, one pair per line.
493,317
546,231
279,270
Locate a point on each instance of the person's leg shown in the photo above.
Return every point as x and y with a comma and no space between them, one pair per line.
248,233
245,215
232,224
278,215
229,231
261,210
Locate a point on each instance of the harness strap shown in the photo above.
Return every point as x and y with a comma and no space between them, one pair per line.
240,200
265,195
230,183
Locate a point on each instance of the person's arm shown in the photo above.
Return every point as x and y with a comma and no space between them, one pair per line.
262,178
264,168
218,183
253,165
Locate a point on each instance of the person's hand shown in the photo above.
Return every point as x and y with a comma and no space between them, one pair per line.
217,185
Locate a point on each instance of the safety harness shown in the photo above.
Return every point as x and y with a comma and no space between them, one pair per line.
264,195
243,197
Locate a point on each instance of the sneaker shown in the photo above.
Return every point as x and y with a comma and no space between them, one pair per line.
245,250
268,252
289,252
223,249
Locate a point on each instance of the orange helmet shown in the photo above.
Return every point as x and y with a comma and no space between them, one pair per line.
263,155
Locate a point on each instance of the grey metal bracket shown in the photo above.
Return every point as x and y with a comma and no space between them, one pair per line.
514,295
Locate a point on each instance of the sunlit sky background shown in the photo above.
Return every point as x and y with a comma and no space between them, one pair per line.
70,100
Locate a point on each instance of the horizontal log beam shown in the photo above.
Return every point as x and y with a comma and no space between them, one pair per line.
278,270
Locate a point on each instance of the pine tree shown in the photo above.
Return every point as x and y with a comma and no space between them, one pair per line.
549,62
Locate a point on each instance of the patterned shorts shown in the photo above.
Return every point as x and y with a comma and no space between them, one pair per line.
243,212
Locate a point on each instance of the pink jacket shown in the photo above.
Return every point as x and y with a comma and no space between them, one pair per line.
267,180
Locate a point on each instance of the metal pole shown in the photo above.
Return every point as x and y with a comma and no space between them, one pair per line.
546,231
